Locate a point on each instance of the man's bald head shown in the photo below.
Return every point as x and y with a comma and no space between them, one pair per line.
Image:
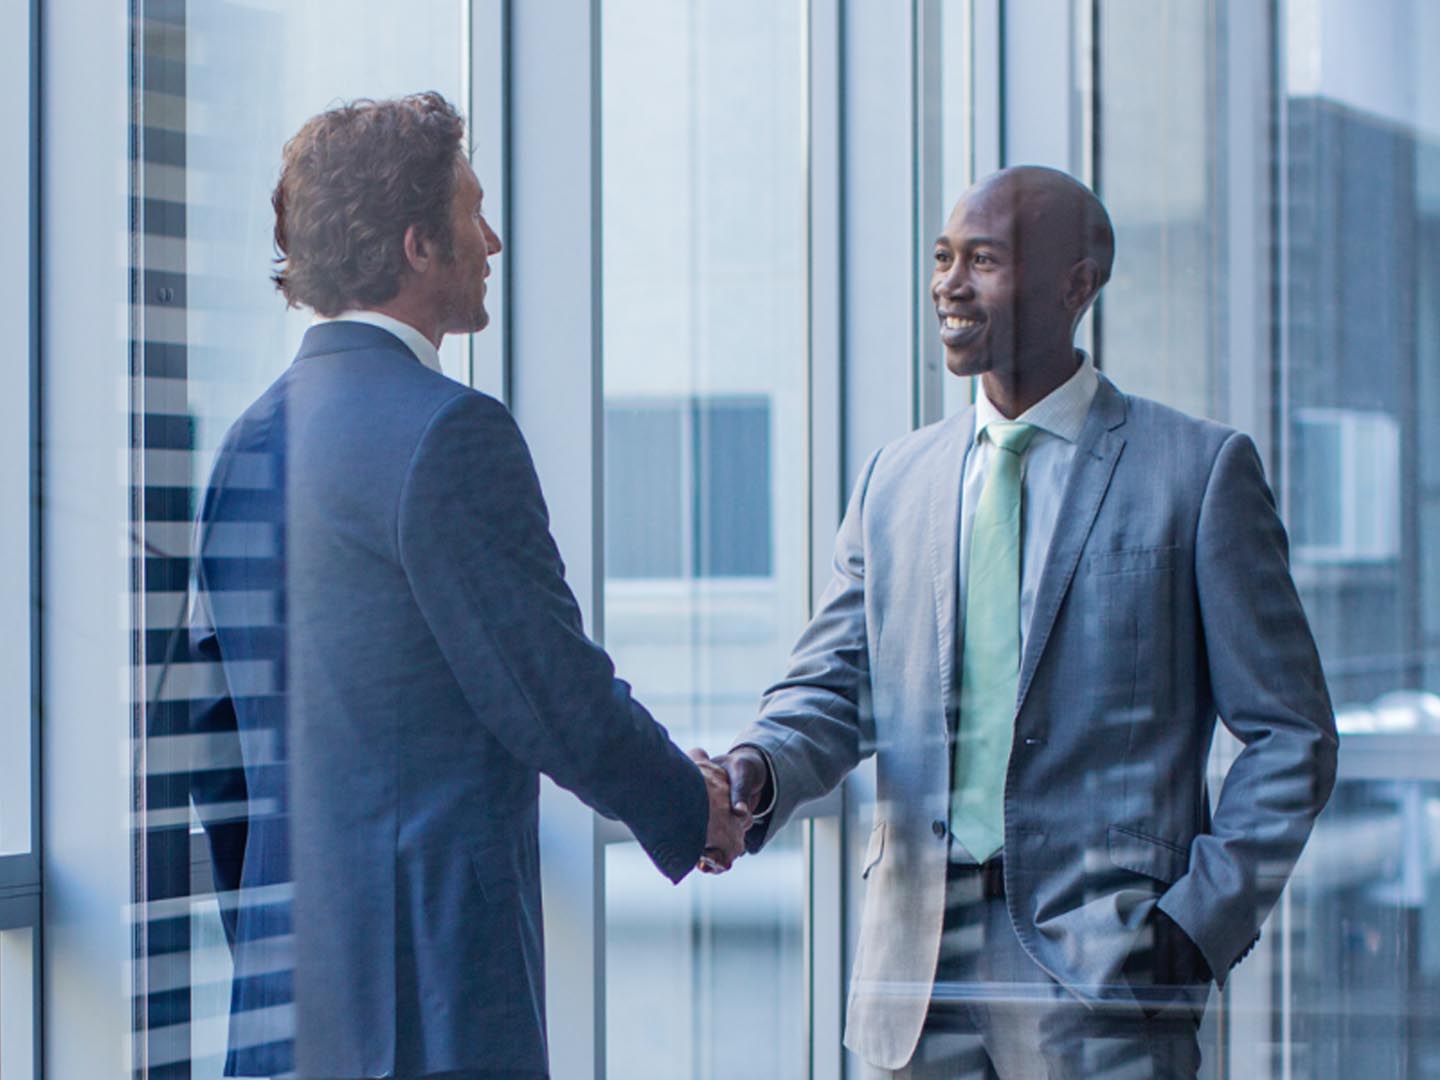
1057,219
1019,262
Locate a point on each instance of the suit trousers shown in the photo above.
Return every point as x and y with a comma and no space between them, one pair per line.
994,1012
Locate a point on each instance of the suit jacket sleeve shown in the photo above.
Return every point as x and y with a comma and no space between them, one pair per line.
815,723
1269,691
218,786
475,544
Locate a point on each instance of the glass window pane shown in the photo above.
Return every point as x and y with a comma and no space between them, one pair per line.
706,469
227,84
1276,269
1361,372
732,480
211,968
16,441
958,154
645,451
687,969
17,1005
15,790
1158,125
1365,932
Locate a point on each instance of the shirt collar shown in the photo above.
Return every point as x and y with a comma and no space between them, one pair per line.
411,338
1060,413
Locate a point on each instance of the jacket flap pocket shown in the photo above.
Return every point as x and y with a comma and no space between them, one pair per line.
875,850
495,870
1131,560
1131,849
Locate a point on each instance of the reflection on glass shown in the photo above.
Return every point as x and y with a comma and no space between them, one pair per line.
1364,359
706,981
1336,370
227,82
1362,378
210,971
957,160
705,493
15,790
1366,933
15,616
1157,131
243,97
19,436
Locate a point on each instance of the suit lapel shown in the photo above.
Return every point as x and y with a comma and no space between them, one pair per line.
944,544
1095,458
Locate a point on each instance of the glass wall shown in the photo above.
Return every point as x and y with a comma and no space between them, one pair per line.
961,159
17,441
16,605
1273,172
1275,270
1161,140
227,82
1360,408
17,1005
706,495
20,886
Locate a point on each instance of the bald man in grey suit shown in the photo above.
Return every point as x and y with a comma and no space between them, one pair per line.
1039,609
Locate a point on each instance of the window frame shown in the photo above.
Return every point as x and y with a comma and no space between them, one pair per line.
171,867
21,877
552,120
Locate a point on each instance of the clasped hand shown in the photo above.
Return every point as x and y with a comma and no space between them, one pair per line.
734,782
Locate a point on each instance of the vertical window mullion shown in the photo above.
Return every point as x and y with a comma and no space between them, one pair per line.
825,953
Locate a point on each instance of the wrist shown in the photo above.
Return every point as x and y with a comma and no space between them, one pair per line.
761,799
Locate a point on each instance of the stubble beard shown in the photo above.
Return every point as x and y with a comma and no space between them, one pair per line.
466,310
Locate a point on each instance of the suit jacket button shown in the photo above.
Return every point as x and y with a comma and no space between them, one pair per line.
937,827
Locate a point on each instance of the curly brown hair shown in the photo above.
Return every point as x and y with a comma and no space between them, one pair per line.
352,180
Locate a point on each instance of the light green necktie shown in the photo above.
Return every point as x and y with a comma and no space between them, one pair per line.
990,663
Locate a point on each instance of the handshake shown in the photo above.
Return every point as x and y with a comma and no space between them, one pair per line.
736,783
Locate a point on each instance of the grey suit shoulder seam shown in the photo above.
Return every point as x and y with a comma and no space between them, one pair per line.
923,435
1214,467
1232,434
867,473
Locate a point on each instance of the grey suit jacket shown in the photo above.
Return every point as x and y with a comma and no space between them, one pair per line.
1166,600
418,664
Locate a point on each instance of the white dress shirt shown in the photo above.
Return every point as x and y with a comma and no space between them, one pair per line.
411,338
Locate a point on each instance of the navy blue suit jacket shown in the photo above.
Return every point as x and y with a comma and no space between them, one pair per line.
401,659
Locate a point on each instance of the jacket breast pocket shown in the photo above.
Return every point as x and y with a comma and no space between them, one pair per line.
874,850
1131,849
1130,601
1132,560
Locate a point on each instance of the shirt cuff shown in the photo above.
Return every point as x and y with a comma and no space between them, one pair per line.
761,815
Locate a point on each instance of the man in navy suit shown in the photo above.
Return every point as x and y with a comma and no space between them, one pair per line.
399,655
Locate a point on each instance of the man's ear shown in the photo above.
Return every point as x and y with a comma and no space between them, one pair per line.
1082,283
417,249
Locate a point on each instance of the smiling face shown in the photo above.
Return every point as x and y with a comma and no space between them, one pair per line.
974,285
462,285
1019,261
